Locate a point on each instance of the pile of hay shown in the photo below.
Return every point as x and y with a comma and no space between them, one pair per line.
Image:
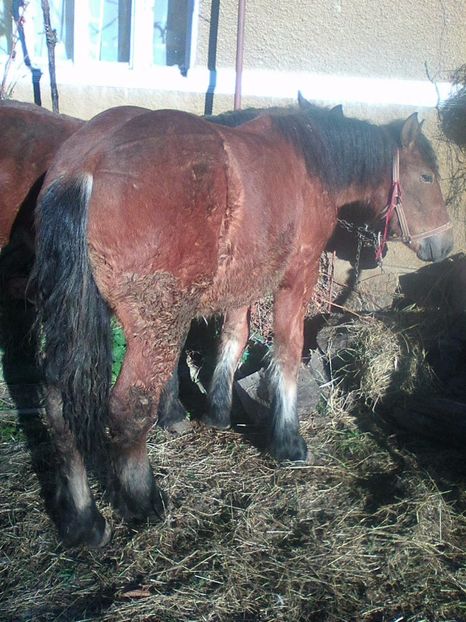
372,531
381,358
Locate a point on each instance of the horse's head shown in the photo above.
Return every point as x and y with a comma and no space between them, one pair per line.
420,219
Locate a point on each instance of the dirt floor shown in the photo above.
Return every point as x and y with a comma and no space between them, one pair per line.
373,531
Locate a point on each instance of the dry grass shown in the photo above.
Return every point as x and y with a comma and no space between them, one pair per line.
373,531
386,357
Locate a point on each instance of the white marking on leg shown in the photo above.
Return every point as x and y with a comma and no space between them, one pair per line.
135,475
226,366
285,392
79,488
87,183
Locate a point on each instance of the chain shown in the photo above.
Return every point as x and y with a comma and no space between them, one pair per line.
365,236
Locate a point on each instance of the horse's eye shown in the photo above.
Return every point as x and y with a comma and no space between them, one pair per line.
428,179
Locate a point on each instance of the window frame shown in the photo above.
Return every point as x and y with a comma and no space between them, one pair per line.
138,72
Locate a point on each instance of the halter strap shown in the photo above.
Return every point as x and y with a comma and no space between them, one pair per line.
396,205
395,200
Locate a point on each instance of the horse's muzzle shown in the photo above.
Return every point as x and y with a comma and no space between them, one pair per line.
436,247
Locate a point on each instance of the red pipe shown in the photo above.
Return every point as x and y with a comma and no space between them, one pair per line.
239,52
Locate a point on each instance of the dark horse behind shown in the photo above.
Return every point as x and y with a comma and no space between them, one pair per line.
166,217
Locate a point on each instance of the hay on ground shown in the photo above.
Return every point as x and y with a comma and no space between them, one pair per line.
373,531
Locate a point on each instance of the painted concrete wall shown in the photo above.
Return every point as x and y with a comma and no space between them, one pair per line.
365,38
357,37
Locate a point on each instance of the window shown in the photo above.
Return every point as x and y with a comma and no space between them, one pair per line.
139,33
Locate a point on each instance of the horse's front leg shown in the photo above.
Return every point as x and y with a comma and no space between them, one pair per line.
235,333
285,441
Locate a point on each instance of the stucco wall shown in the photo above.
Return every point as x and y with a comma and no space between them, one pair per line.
357,37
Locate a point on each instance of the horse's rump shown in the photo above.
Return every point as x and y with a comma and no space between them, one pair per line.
200,203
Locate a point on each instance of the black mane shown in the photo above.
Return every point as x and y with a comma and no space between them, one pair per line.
337,149
233,118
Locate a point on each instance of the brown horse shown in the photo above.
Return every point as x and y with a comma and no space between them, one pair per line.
30,138
167,217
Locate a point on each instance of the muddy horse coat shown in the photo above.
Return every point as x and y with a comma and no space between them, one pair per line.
167,217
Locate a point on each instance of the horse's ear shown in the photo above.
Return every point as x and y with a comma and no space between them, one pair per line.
303,103
410,130
337,111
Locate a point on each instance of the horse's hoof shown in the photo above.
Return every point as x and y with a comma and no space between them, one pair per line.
179,427
95,534
291,447
136,511
79,525
217,419
172,413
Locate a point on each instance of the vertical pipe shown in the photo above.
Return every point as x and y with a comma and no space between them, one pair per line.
36,73
239,53
212,56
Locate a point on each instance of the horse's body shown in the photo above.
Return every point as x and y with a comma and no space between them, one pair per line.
167,217
30,138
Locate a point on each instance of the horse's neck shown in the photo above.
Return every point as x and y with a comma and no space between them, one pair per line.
371,199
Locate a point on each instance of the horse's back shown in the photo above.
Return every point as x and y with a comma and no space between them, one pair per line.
71,159
23,124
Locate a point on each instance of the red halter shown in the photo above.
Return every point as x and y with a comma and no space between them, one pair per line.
396,205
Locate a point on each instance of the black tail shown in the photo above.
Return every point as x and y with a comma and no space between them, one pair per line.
73,318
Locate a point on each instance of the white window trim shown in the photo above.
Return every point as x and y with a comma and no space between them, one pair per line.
142,24
324,88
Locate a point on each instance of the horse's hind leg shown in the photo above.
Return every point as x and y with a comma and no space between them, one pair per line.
151,355
77,517
235,333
